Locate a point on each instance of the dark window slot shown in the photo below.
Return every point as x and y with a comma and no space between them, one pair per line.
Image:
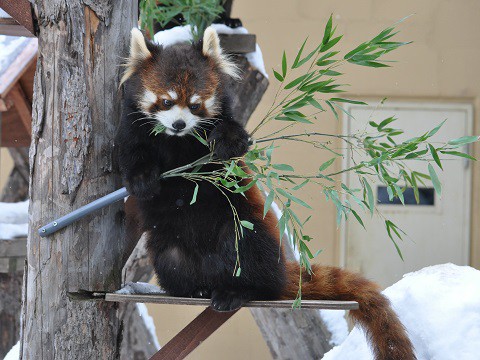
426,197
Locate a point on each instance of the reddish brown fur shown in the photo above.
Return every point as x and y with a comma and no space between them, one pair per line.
384,330
376,316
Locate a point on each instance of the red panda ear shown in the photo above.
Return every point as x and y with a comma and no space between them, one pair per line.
211,48
138,52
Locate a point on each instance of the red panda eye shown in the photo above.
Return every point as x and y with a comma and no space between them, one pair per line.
194,106
167,102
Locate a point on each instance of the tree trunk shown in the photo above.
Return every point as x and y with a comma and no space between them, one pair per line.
76,109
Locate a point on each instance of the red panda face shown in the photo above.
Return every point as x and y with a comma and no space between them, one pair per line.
179,86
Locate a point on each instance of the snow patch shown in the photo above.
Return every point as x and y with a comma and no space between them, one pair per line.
183,34
149,323
14,353
140,288
440,308
336,323
13,220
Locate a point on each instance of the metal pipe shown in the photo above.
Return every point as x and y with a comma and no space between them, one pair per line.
81,212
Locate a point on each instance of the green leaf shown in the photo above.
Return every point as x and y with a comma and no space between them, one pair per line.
331,43
238,272
278,76
296,81
332,108
268,203
435,156
463,140
293,198
385,122
359,219
436,183
247,224
326,164
298,187
283,167
458,153
297,58
315,103
348,101
284,64
328,30
195,193
391,226
434,131
371,201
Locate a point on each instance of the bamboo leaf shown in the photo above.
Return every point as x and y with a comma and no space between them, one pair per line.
435,156
436,183
283,167
247,224
278,76
293,198
326,164
284,64
464,140
268,203
195,193
297,58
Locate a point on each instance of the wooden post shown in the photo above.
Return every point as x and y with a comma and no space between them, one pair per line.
76,109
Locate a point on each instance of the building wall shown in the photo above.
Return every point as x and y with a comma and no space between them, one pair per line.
6,166
441,65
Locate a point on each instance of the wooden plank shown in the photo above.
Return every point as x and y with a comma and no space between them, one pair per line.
13,248
13,135
5,104
22,105
286,304
21,11
10,27
193,335
18,67
238,43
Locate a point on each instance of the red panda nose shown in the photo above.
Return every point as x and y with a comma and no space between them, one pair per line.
179,125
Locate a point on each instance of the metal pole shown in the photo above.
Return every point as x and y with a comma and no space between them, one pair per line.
81,212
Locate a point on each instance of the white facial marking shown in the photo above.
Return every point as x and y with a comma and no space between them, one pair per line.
148,99
211,105
168,117
172,94
194,99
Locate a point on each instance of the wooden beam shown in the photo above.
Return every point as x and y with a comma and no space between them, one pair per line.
22,105
13,135
286,304
5,105
13,248
9,27
21,12
193,335
18,67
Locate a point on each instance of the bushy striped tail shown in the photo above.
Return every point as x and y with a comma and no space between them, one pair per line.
386,334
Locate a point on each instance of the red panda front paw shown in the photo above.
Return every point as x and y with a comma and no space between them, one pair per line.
144,185
229,140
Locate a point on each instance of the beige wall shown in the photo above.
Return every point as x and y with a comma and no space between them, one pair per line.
441,65
6,165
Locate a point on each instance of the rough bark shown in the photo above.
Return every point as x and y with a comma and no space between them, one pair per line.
76,109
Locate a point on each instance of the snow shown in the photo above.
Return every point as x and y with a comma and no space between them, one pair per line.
13,220
140,288
14,353
183,34
439,306
149,323
336,323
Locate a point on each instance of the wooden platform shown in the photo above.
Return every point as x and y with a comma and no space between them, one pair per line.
210,320
285,304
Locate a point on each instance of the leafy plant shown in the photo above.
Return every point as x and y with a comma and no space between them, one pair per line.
298,102
199,14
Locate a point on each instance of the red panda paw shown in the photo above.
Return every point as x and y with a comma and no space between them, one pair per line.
229,140
227,300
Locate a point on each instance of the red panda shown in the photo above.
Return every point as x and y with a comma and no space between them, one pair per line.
192,247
